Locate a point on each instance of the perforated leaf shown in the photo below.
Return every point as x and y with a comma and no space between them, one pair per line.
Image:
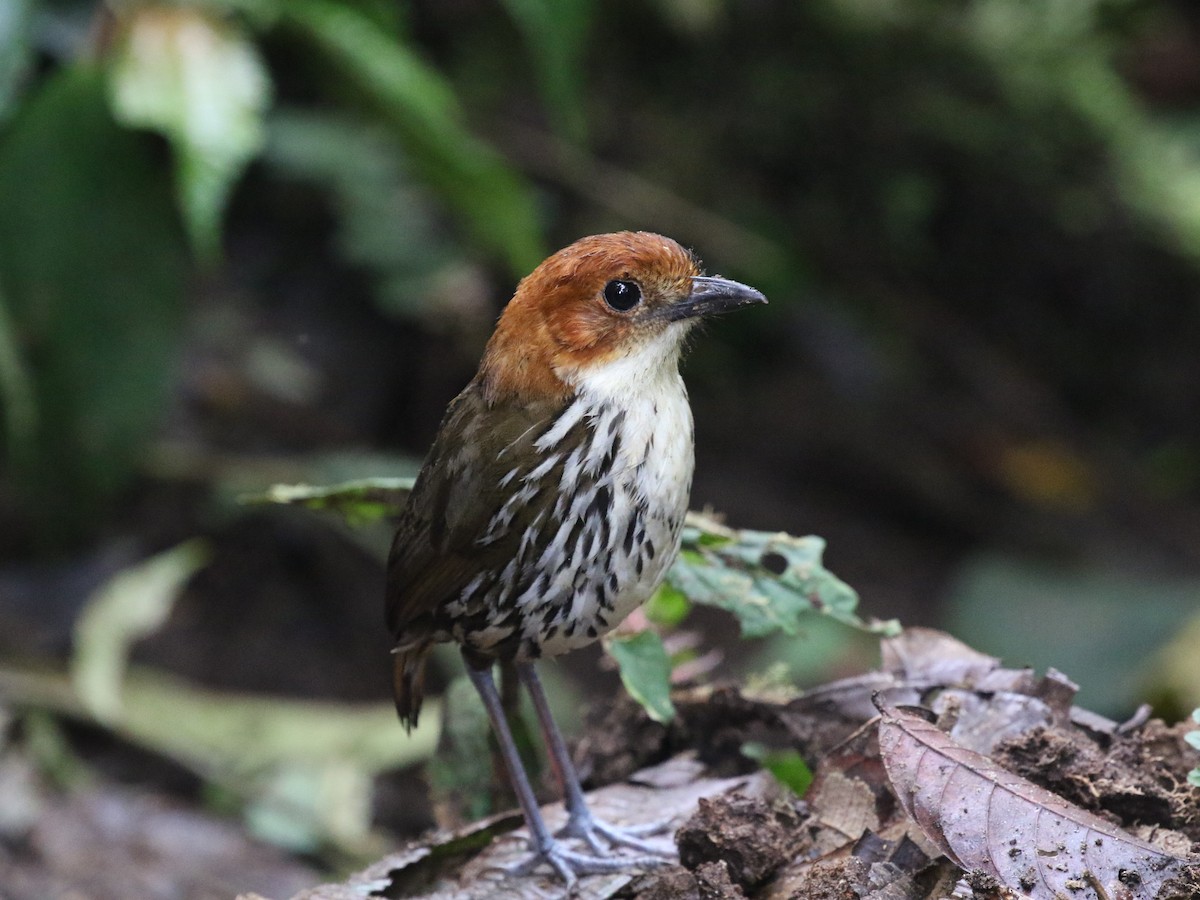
766,579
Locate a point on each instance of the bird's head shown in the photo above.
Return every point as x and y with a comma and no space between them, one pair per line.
604,299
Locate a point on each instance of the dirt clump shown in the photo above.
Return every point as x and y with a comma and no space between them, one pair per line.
710,881
987,887
714,882
714,723
1184,886
666,883
751,836
836,879
1135,779
620,739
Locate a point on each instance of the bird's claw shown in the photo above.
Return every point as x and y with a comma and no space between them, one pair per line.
570,865
591,830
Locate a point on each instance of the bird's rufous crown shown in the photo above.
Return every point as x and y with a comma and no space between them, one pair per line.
559,319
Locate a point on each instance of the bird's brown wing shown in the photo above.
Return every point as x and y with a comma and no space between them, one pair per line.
439,545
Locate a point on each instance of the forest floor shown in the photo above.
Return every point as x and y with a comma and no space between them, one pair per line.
943,774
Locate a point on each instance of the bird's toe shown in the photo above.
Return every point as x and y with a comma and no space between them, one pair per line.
602,837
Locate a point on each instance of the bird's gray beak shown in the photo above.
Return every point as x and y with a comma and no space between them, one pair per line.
711,295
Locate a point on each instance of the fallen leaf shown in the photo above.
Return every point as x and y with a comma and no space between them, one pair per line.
986,819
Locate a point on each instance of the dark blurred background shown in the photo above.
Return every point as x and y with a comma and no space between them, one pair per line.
255,241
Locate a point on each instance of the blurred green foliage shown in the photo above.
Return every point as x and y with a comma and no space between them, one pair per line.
407,94
993,597
94,298
93,266
200,82
886,157
978,222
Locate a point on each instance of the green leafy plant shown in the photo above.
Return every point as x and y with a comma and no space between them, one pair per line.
787,766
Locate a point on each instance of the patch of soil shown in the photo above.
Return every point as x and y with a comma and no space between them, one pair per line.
837,879
710,881
714,723
714,882
1136,779
986,887
120,842
1184,887
667,883
619,739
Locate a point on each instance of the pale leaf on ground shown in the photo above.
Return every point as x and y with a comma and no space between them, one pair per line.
132,605
304,767
988,819
452,865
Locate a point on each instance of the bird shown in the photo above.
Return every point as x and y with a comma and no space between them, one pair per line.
552,501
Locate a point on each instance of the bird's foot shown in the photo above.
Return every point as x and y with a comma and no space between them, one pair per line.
595,833
570,865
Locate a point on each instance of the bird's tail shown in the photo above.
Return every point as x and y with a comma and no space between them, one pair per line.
408,683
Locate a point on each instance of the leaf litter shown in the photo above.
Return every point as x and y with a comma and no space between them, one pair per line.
995,786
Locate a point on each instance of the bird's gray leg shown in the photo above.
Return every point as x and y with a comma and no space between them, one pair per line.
580,821
546,849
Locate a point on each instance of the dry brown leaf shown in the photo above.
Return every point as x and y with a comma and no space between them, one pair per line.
987,819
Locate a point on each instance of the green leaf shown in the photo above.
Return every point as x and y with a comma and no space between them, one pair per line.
388,221
556,32
307,760
16,54
491,198
198,81
645,671
1194,777
787,766
767,580
134,604
667,607
93,267
1193,738
359,502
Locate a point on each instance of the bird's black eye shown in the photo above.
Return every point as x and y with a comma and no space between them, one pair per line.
622,295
